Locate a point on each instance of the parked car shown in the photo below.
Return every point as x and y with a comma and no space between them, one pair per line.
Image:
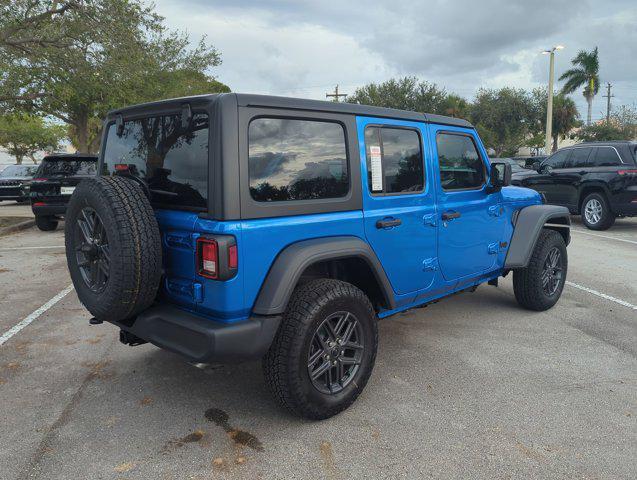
515,165
285,228
527,161
15,181
54,182
597,180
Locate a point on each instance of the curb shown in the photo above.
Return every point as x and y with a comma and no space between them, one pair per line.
17,227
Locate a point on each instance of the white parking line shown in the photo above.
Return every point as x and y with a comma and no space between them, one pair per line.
33,316
603,236
602,295
29,248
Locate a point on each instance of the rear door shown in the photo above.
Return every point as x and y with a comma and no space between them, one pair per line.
172,161
570,178
398,201
470,220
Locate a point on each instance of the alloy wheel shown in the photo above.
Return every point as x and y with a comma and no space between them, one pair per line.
336,352
552,272
593,211
92,250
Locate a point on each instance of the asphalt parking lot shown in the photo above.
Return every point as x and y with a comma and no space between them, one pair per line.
471,387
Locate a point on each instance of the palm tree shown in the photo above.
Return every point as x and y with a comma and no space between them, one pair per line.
565,117
585,73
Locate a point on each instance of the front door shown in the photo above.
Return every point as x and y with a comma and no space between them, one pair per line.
552,180
399,202
471,223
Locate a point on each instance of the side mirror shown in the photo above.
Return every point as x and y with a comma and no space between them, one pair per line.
536,166
500,176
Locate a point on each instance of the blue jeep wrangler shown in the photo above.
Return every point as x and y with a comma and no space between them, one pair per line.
234,227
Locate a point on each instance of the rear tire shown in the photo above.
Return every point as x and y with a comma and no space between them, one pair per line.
596,212
310,322
539,286
110,226
46,223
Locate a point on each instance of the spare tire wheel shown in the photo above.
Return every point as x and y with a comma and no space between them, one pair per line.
113,247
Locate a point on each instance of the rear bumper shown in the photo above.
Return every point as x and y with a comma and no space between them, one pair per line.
200,339
47,210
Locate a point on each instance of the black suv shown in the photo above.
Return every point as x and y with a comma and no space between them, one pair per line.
597,180
54,183
14,182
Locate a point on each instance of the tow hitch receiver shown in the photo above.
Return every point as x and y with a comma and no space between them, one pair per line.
128,338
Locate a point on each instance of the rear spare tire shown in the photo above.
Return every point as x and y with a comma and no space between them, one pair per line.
113,247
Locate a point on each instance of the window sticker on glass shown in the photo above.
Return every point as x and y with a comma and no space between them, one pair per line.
377,168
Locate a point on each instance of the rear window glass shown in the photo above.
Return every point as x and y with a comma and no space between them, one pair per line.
606,157
170,158
19,171
291,159
52,167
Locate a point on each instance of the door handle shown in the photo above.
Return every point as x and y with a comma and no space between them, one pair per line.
450,215
388,223
582,172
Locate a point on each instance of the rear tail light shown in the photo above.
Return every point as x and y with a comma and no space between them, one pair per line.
627,172
39,204
217,257
121,167
39,180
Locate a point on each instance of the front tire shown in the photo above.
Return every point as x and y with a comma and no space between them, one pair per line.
596,212
46,223
539,286
324,351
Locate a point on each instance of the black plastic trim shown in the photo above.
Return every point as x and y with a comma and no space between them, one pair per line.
528,224
202,340
294,259
59,209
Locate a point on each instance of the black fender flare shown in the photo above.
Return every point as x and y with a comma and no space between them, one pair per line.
528,222
292,261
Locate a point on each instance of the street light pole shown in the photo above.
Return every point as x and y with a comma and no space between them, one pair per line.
549,106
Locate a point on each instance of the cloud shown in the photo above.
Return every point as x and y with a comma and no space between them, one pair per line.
303,48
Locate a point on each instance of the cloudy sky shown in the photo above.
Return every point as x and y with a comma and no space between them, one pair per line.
303,48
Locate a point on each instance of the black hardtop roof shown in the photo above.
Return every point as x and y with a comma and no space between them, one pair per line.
289,103
70,156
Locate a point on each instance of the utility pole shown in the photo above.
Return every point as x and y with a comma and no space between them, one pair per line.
608,96
335,95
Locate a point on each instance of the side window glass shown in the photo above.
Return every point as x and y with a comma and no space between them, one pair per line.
606,157
581,157
459,161
292,159
558,159
394,160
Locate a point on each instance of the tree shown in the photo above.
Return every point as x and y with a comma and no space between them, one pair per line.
405,93
455,106
585,73
503,118
116,53
622,126
24,135
565,117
